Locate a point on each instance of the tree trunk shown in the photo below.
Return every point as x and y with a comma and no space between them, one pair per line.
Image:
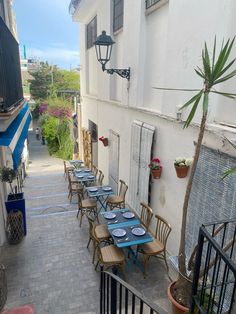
182,291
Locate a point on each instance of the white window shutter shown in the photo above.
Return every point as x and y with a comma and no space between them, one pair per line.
141,145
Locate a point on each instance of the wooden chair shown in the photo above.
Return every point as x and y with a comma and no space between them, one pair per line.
158,246
94,170
118,201
86,206
66,169
101,232
74,187
99,181
109,256
146,215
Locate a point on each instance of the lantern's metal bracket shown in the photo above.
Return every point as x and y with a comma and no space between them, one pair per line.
125,73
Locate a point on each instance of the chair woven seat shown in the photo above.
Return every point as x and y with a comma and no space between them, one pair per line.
118,200
102,232
114,199
154,247
87,203
111,254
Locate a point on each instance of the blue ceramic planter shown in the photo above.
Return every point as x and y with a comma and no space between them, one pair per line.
17,202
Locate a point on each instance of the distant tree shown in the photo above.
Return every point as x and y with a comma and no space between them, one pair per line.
49,79
41,81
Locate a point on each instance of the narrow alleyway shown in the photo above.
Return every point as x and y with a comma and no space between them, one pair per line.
51,268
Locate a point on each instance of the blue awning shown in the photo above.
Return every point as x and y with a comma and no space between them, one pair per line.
16,134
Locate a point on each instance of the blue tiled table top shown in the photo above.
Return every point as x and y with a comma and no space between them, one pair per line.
130,239
99,192
119,221
84,176
75,162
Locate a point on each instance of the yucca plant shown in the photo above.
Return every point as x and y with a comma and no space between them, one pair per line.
215,70
8,175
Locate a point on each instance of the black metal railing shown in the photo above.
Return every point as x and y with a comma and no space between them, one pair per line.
116,296
150,3
214,281
11,92
73,5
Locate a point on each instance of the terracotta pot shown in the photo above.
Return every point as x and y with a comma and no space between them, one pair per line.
181,171
176,307
156,174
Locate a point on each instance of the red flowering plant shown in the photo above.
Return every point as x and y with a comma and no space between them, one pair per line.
155,164
104,140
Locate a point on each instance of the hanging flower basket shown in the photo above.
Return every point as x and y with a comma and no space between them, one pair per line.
181,171
182,165
156,174
104,140
155,168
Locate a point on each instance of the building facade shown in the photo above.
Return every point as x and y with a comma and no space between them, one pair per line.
161,42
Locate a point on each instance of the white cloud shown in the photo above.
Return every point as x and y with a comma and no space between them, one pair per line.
58,56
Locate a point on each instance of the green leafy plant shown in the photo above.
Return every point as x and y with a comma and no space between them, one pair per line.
8,175
213,72
233,169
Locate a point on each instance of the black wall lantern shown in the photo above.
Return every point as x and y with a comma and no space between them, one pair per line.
103,46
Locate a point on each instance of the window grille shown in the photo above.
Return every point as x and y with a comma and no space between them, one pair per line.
118,12
91,32
150,3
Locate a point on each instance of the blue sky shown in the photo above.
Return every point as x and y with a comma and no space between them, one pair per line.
46,28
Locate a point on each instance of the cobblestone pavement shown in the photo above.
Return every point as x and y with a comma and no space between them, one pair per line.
51,268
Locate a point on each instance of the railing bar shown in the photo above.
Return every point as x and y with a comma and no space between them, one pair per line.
209,247
101,291
223,289
214,279
141,307
104,293
120,299
133,304
126,300
108,294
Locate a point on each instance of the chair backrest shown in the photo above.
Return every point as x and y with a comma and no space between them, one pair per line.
163,230
91,227
146,215
94,170
100,177
123,189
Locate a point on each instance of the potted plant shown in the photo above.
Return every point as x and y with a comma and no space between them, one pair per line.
182,165
15,200
104,140
155,168
213,72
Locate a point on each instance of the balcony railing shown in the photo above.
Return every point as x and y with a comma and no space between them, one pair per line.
73,5
214,282
11,92
116,296
150,3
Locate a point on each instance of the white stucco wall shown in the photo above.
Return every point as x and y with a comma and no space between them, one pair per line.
162,49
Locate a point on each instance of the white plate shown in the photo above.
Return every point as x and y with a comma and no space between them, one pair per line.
128,215
90,177
80,177
87,170
77,170
119,233
107,188
138,231
93,190
109,215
